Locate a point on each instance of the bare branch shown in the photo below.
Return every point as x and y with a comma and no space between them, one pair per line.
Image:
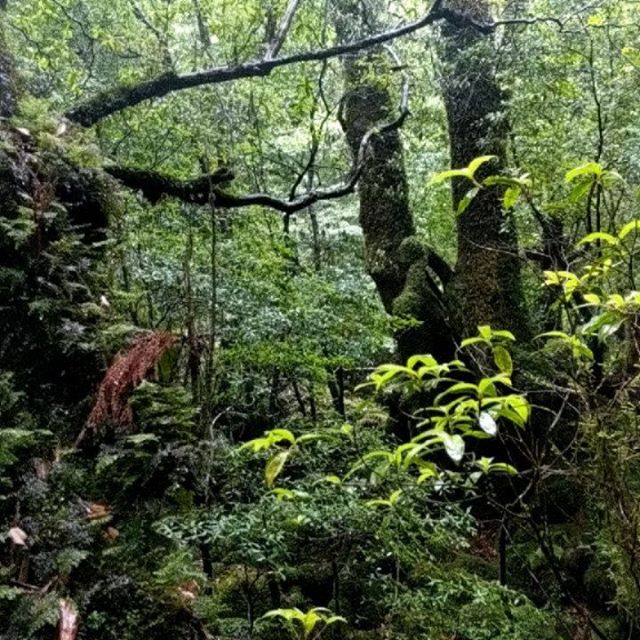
105,104
154,185
283,30
114,100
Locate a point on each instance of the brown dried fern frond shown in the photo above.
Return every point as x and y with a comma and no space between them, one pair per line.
126,372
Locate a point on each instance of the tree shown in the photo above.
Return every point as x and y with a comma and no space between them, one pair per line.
261,192
486,287
408,276
414,281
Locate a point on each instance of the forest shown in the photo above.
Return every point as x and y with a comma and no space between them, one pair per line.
319,319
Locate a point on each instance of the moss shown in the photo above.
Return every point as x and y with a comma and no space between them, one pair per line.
486,289
410,251
90,197
419,300
411,302
469,563
33,247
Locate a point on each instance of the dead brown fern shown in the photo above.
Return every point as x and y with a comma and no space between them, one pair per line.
126,372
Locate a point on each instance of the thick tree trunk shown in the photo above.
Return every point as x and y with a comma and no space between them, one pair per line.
486,287
402,269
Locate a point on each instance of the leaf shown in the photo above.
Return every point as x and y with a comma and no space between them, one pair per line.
285,614
511,197
484,330
18,536
592,298
588,169
487,387
311,619
111,534
278,435
274,467
554,334
427,473
487,465
487,423
476,163
426,361
580,191
9,593
634,225
283,494
377,503
503,333
468,172
346,429
503,360
454,446
439,178
503,467
463,205
520,408
599,236
313,437
142,438
25,133
98,510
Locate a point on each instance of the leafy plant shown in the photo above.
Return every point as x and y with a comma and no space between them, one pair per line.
306,625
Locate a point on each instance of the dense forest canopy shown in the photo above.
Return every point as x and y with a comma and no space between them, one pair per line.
319,318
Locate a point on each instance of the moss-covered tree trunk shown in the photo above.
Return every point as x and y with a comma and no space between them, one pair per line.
486,287
401,268
412,281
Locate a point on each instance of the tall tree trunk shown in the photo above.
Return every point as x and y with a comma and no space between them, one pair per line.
486,287
400,266
412,280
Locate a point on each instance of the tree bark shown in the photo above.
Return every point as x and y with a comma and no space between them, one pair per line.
394,258
486,287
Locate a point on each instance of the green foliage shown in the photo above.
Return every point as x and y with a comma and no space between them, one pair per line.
388,502
470,608
309,624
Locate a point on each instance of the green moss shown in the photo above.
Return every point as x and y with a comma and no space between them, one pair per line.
410,251
469,563
411,302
